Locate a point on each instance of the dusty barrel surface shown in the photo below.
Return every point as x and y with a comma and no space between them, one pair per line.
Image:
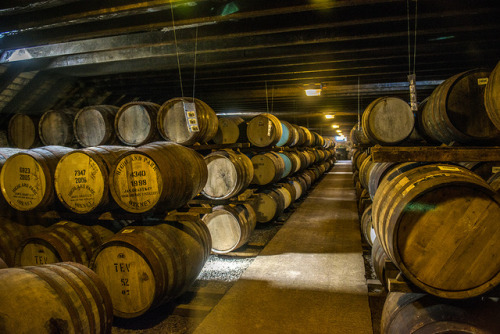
494,181
269,205
27,177
427,220
135,123
63,298
268,168
230,130
388,121
62,242
230,226
179,122
264,130
485,169
367,226
492,97
421,313
81,179
229,173
146,266
22,131
56,127
94,125
455,111
158,175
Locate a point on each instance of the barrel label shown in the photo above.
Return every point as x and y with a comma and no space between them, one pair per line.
79,182
482,81
137,183
23,182
450,169
191,117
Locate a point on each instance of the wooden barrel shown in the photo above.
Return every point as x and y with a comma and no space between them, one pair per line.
184,124
230,226
377,172
62,242
365,170
294,161
146,266
12,235
414,313
494,181
360,159
485,169
367,226
290,188
295,135
268,168
65,297
22,131
299,188
27,177
269,205
56,127
287,134
285,195
308,137
229,173
230,130
94,125
358,137
455,111
264,130
135,123
427,220
492,96
288,164
160,174
81,179
388,121
378,261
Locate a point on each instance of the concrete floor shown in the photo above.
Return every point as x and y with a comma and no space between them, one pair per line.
310,278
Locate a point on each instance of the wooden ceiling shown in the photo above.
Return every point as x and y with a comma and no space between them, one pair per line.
241,57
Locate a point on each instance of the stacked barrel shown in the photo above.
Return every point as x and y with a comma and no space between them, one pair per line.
274,169
437,222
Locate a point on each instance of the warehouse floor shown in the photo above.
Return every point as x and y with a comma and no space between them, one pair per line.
309,278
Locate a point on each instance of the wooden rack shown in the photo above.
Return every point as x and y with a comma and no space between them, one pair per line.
434,153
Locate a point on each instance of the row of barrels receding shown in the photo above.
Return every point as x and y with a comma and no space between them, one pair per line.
185,121
464,108
141,267
232,225
434,221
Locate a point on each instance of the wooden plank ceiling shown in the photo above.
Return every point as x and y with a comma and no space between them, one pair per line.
243,56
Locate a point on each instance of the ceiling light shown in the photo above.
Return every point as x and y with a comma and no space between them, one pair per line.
335,126
313,92
339,131
329,116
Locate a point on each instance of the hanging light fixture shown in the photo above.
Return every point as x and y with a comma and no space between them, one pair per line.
313,89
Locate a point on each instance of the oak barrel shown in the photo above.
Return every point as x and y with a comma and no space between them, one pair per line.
230,226
285,195
492,96
269,205
55,298
135,123
27,177
229,173
358,136
378,261
22,131
286,134
485,169
494,182
62,242
367,225
388,121
268,168
174,118
81,179
291,189
146,266
56,127
264,130
12,235
414,313
160,174
436,222
94,125
455,111
377,172
230,130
